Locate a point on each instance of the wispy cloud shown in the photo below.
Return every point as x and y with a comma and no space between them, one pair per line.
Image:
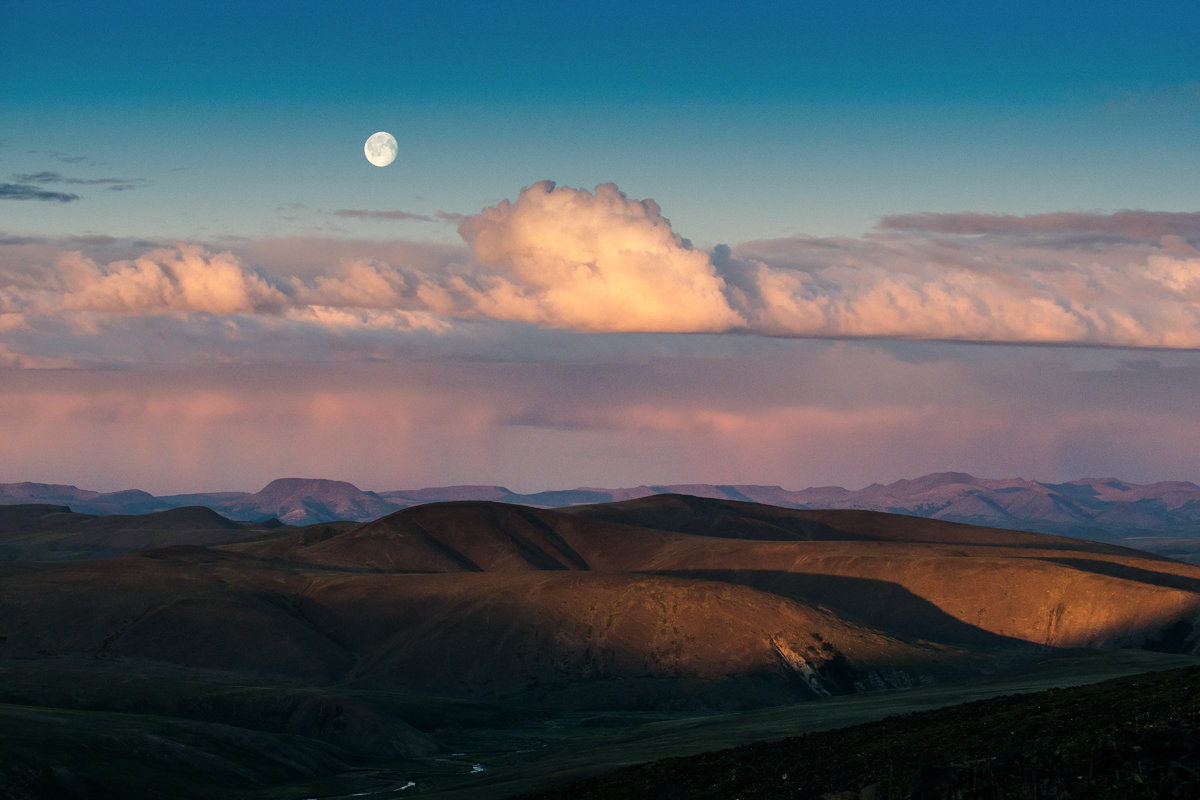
18,191
382,216
69,158
1138,225
388,216
49,177
57,177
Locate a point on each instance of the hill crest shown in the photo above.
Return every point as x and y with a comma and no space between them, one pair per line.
1164,516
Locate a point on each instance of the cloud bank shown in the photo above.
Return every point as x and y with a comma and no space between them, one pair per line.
600,262
989,289
575,337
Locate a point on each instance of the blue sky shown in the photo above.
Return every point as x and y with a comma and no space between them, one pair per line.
746,122
955,236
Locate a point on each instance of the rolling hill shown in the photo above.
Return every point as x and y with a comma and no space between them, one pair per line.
40,532
791,602
348,634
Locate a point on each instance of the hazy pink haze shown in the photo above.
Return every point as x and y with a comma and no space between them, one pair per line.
604,410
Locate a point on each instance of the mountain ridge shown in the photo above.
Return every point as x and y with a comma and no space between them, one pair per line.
1164,516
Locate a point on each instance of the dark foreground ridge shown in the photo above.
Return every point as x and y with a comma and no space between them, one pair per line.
1132,737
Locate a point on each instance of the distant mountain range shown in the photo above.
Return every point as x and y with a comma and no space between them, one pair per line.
1104,508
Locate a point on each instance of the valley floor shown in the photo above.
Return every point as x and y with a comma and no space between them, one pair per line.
66,747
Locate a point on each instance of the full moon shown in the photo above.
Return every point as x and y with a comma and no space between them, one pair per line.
380,148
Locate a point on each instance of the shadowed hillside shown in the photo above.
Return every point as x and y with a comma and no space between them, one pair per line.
1037,589
782,603
54,533
667,604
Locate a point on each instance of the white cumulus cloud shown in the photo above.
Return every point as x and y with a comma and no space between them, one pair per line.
571,258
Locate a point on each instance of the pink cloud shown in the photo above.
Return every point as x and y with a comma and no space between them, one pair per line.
183,279
955,288
397,364
597,261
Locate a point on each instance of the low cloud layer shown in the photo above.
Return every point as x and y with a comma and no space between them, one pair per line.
601,262
802,414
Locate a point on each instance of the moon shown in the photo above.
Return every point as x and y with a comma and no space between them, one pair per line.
380,148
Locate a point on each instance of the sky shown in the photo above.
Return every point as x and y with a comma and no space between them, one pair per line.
793,244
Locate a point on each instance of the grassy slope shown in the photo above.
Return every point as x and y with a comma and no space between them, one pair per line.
1132,737
587,751
51,752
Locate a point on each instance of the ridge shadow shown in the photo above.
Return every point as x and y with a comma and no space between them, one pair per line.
1125,572
883,605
